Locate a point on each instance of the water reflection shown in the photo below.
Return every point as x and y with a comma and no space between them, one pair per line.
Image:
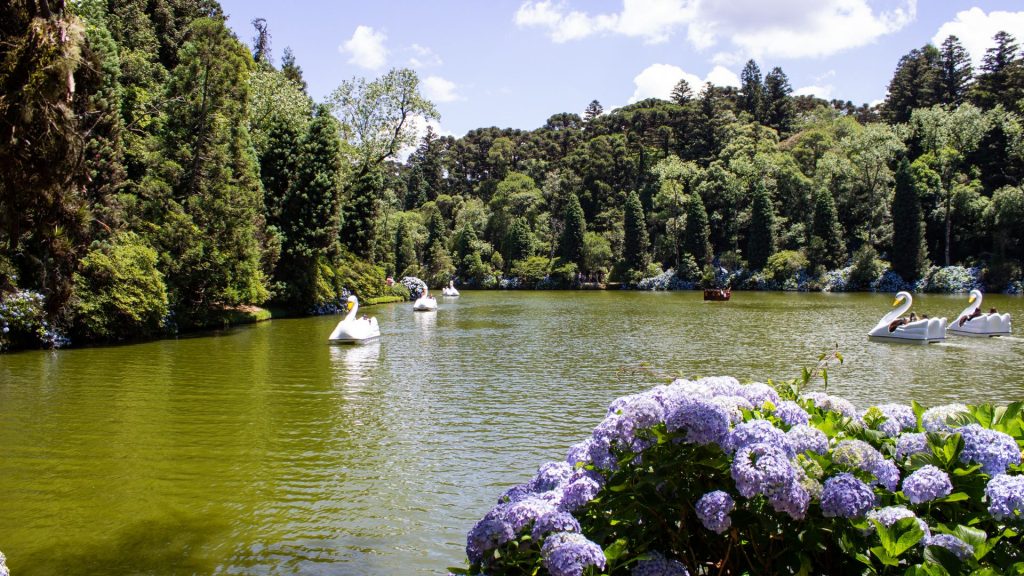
426,321
353,364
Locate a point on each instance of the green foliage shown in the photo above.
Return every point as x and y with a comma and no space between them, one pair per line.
784,265
827,247
363,279
597,254
574,229
531,270
761,237
120,293
867,268
697,231
637,243
909,251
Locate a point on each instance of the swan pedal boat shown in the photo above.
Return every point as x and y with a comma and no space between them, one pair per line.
425,303
984,325
352,329
450,290
924,331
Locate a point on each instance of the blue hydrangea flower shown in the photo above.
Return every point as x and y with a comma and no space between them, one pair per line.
554,521
993,449
936,419
680,391
5,572
958,547
926,484
721,385
898,417
579,492
733,404
755,432
568,553
487,534
713,510
551,475
761,469
802,438
892,514
579,452
704,422
1005,495
520,514
759,393
845,496
911,443
794,497
831,403
863,456
517,493
791,413
655,564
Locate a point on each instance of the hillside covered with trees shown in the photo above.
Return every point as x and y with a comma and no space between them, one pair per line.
157,171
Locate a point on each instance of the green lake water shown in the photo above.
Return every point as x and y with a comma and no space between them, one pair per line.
263,450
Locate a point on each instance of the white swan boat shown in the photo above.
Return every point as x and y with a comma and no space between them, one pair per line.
425,303
970,324
450,290
925,331
352,329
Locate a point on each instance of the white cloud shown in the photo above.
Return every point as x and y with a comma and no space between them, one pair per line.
440,90
658,80
419,124
750,28
824,92
366,47
423,57
975,30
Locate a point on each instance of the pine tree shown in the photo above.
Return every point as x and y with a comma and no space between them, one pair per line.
752,91
290,69
594,109
570,243
955,73
698,231
761,238
909,251
405,248
636,242
437,232
517,240
261,42
913,84
779,112
682,92
1001,80
827,247
359,231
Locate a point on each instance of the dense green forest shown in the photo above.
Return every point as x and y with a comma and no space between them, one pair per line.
158,171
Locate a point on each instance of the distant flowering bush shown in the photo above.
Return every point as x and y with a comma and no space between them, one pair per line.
416,286
714,477
23,322
667,280
950,280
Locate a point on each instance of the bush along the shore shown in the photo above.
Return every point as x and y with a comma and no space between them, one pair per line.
714,477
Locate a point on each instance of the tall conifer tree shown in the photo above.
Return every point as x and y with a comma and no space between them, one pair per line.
761,238
570,243
636,244
909,251
698,231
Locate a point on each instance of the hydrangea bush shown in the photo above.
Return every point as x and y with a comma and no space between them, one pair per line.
714,477
23,322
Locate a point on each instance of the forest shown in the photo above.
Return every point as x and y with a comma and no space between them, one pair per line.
160,173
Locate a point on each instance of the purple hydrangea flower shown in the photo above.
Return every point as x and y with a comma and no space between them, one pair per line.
759,393
936,419
600,451
721,385
898,417
791,413
993,449
755,432
713,511
579,452
517,493
672,396
863,456
704,422
1005,495
845,496
487,534
832,404
551,475
5,572
579,492
926,484
568,553
794,497
733,404
958,547
911,443
802,438
554,521
761,468
655,564
892,514
520,514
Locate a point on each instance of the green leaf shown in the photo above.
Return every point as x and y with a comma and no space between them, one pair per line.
942,557
884,556
954,497
910,534
616,549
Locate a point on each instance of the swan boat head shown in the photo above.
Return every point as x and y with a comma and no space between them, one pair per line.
924,330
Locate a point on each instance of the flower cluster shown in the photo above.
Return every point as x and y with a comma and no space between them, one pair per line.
950,280
416,286
23,322
694,461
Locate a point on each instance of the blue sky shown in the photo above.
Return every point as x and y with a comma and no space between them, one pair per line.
514,63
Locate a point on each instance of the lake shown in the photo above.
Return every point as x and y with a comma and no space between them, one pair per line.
263,450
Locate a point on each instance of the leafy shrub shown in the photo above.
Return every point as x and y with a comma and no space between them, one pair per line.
119,292
23,322
667,280
531,270
867,268
712,477
890,282
414,285
784,265
950,280
363,279
836,280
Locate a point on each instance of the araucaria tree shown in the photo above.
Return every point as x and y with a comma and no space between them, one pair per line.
636,243
761,237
